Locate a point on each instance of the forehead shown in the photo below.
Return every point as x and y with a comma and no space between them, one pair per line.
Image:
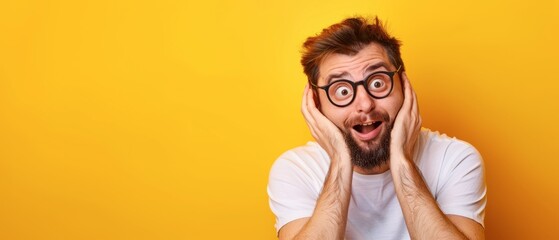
352,66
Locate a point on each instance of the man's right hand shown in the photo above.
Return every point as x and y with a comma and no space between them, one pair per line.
326,133
329,218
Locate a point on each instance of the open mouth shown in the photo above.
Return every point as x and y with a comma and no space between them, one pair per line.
367,127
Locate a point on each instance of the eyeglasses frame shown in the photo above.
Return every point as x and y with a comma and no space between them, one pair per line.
355,85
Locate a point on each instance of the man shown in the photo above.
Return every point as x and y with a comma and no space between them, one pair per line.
374,174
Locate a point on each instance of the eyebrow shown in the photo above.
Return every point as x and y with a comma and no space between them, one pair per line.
375,66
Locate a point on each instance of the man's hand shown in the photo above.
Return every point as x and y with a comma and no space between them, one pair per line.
329,218
423,217
326,133
407,125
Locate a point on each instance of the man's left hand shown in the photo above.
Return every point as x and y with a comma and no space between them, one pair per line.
407,125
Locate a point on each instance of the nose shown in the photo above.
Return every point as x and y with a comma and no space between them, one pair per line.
363,101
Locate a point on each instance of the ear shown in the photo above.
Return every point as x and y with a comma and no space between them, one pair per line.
315,98
401,78
315,95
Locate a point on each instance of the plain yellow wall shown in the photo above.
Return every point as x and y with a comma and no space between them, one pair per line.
161,119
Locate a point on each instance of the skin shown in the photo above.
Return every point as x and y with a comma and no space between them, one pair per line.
423,218
356,68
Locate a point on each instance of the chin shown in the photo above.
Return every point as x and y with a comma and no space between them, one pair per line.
369,154
370,146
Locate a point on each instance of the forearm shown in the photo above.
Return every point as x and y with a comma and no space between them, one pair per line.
330,214
423,217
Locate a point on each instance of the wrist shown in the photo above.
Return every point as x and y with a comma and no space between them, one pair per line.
398,156
340,163
397,152
339,153
341,159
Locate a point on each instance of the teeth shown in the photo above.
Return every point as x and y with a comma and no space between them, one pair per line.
368,124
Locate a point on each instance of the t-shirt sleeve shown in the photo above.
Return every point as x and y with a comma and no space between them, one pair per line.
463,190
291,191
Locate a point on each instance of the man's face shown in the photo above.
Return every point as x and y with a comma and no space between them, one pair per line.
366,122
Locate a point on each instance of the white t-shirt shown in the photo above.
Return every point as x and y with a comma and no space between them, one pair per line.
452,169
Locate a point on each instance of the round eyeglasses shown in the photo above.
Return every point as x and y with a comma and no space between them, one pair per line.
342,92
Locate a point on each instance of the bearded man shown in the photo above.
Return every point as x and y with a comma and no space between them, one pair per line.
372,173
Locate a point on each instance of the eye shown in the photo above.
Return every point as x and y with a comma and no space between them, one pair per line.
377,84
343,91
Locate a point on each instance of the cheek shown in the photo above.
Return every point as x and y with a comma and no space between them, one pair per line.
334,114
394,106
398,99
321,99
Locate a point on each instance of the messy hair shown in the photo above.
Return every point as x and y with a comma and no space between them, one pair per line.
347,37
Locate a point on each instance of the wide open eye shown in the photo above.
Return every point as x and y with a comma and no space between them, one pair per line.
377,84
341,91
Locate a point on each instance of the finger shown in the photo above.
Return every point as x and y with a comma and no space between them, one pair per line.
414,110
309,118
314,133
321,124
415,104
314,115
304,99
313,111
311,102
408,101
409,93
311,106
304,105
304,102
311,128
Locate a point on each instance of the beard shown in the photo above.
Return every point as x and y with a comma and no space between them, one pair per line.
375,156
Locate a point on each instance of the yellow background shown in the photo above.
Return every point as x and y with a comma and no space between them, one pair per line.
161,119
